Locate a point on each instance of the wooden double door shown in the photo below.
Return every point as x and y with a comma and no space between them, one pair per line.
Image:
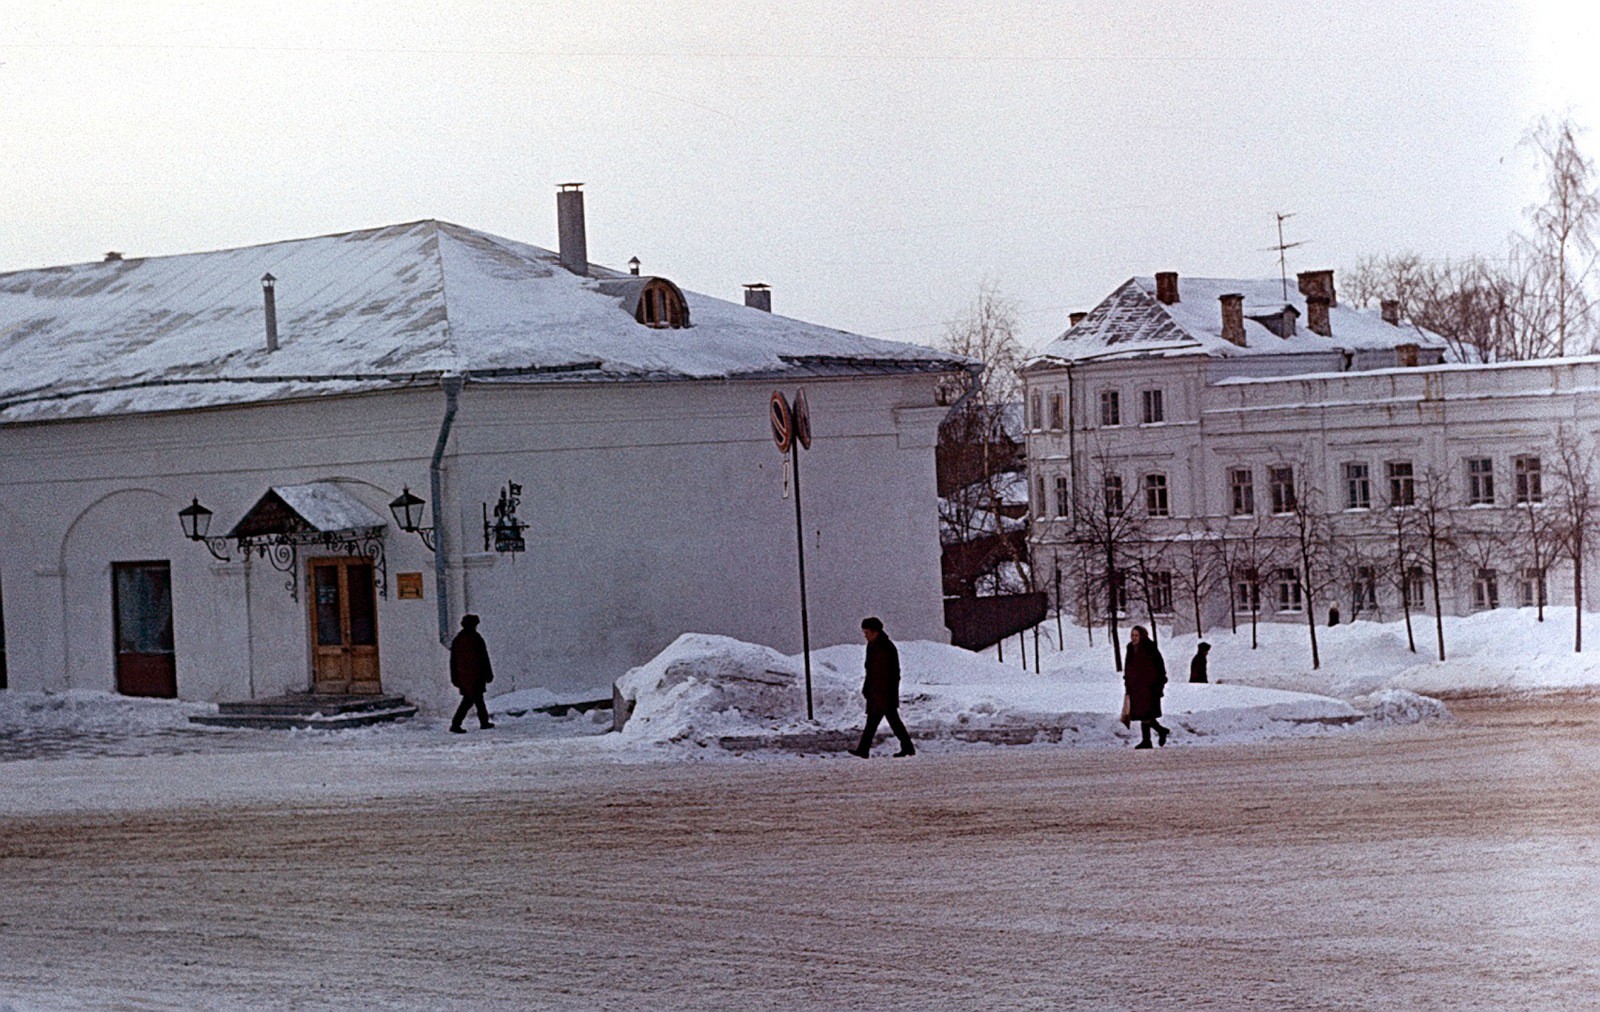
344,626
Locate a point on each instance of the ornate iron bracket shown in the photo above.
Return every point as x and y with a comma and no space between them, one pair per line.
282,551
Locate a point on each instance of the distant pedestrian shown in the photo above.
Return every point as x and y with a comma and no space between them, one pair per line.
1144,675
1197,667
882,690
470,672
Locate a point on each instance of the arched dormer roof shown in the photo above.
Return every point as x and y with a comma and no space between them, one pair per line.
652,301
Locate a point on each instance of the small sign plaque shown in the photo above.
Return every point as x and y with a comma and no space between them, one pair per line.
410,585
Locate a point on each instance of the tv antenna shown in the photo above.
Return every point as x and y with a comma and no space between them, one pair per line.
1282,248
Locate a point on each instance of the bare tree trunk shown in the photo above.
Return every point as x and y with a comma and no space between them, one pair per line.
1577,592
1438,603
1311,623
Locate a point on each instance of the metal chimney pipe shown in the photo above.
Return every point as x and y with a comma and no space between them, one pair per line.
569,223
758,296
270,303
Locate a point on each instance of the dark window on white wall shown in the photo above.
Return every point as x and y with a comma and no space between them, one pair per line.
1062,495
1113,486
1110,407
1040,507
1357,487
1160,593
1242,483
1154,408
1282,481
1402,484
1416,588
1364,591
1288,590
1480,481
1531,590
1037,416
1058,417
1486,589
1155,495
1530,480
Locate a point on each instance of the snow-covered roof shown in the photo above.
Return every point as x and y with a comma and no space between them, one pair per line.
368,310
1131,321
319,506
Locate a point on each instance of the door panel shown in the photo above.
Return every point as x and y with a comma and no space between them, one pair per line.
344,625
141,604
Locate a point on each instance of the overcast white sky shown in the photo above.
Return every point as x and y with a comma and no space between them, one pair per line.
874,162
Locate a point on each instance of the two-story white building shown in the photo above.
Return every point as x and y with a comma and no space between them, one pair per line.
1219,412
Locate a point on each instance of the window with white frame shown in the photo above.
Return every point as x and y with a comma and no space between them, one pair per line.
1402,484
1155,495
1242,485
1110,407
1364,591
1058,416
1113,489
1062,495
1486,589
1480,481
1159,587
1155,409
1119,593
1037,415
1039,506
1357,486
1281,482
1246,591
1288,591
1415,588
1529,473
1531,589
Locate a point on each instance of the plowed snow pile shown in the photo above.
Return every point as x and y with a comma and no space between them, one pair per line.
703,688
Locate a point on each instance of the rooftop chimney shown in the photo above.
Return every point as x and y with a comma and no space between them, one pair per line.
569,222
1167,287
758,296
1318,284
633,266
1390,308
1317,316
1232,318
113,255
270,303
1073,319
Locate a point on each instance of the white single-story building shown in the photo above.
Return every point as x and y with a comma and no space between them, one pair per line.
298,389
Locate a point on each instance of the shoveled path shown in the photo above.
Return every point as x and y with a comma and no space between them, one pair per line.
1444,866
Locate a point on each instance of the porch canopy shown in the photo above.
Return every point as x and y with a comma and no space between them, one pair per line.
319,514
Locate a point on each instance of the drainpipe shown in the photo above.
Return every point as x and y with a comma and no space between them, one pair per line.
441,551
1072,435
974,374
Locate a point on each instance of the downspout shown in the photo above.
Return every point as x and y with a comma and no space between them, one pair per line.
974,374
1072,435
451,383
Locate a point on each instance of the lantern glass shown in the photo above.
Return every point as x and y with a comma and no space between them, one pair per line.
407,510
196,520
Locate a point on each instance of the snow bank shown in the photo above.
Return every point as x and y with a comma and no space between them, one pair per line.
84,711
704,688
1397,706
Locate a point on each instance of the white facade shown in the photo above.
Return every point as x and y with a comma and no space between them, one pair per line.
655,507
1206,451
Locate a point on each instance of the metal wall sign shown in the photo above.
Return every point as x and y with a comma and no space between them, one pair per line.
791,432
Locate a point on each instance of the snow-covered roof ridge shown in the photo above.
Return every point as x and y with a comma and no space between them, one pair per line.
1132,321
366,309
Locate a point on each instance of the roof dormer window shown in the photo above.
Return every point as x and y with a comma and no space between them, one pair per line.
661,306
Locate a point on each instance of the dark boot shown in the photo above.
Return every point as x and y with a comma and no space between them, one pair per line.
1161,735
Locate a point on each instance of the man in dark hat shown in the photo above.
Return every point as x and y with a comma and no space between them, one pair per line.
882,689
470,672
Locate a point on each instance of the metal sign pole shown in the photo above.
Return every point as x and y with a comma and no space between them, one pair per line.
800,546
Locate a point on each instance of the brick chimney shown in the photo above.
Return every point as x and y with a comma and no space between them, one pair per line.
1232,318
1317,285
569,224
1073,319
1167,287
758,296
1390,308
1317,316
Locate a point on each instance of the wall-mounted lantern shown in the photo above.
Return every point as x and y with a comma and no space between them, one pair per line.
505,533
196,520
407,510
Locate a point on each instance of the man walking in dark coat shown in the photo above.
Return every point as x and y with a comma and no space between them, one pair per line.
882,689
1144,676
1197,667
470,672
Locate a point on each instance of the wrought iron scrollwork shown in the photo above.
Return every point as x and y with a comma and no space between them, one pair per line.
283,552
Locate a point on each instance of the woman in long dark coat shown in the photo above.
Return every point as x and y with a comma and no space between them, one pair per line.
1144,675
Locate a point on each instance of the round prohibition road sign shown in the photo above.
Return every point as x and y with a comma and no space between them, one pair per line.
782,422
802,419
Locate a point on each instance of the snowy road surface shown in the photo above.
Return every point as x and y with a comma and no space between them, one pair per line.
1429,866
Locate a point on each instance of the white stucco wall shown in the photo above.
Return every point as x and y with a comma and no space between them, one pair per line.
656,509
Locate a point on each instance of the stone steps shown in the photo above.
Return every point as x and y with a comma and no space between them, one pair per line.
309,710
